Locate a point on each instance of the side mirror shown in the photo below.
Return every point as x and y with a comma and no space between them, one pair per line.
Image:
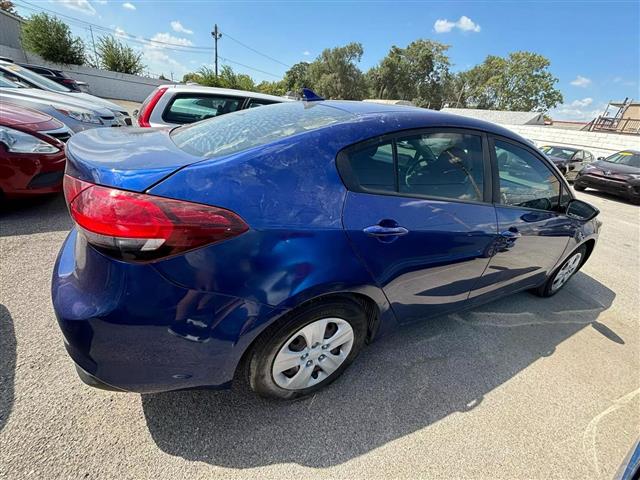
580,210
135,113
600,158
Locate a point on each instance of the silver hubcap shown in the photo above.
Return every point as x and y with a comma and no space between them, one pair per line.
568,269
312,353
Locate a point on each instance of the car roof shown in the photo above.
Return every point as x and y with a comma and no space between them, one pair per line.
27,65
560,146
225,91
409,117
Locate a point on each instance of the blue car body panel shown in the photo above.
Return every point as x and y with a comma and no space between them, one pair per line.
186,321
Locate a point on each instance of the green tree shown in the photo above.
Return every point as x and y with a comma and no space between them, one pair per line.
226,78
297,77
117,56
418,73
191,77
334,74
522,81
51,38
272,88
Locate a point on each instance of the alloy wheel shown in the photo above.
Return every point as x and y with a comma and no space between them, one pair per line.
568,269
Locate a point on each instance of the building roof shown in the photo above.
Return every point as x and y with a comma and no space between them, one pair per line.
499,116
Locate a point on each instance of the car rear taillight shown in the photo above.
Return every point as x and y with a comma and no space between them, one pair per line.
141,227
147,107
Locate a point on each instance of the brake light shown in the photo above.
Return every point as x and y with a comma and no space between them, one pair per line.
145,112
142,227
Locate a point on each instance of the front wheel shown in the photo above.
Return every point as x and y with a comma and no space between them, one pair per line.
308,350
579,188
563,273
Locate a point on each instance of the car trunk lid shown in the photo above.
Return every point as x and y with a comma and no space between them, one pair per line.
127,158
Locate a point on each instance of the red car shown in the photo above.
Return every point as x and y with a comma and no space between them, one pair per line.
32,157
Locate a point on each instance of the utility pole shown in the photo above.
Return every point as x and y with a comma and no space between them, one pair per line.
93,42
216,36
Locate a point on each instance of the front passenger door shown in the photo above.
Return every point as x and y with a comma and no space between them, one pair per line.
533,231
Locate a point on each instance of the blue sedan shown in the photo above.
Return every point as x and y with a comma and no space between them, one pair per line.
271,245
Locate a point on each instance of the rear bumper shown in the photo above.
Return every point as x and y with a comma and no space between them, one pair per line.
129,328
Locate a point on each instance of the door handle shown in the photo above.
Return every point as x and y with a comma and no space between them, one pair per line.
382,231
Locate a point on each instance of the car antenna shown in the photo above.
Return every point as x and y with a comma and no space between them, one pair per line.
309,95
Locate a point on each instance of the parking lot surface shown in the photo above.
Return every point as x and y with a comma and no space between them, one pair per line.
520,388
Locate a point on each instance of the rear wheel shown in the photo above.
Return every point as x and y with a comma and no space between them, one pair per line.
563,273
310,349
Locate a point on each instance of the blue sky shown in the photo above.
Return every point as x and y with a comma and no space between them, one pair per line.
594,47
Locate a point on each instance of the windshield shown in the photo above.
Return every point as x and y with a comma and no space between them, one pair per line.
560,152
33,77
249,128
625,158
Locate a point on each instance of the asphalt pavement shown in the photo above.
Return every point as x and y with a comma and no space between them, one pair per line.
520,388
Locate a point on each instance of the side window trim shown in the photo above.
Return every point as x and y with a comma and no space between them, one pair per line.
564,186
349,178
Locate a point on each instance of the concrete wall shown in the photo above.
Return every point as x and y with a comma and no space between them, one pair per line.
102,83
600,144
9,30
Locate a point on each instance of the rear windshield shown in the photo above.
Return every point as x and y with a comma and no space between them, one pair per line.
245,129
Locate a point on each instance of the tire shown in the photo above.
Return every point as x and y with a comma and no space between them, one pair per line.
297,341
567,269
579,188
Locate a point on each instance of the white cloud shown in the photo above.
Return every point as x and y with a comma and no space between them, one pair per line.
158,62
128,6
581,109
178,27
585,102
306,53
101,2
120,32
168,38
82,6
464,23
581,81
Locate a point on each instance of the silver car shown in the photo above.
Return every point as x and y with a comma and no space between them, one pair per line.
77,115
170,105
17,74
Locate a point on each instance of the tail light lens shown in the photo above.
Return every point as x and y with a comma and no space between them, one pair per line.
140,227
148,105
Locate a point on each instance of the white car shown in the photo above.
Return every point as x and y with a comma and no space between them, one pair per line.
172,105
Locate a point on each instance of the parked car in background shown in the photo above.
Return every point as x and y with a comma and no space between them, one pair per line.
17,74
276,242
618,174
32,158
182,104
58,76
77,114
569,160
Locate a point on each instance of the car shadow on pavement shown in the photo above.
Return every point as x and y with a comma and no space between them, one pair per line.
34,215
7,364
400,384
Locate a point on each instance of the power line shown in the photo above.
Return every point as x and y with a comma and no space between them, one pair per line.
256,51
150,42
250,68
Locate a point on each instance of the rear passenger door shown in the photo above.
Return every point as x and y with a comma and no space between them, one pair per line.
419,214
193,107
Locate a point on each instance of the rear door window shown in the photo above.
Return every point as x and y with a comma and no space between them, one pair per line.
189,108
